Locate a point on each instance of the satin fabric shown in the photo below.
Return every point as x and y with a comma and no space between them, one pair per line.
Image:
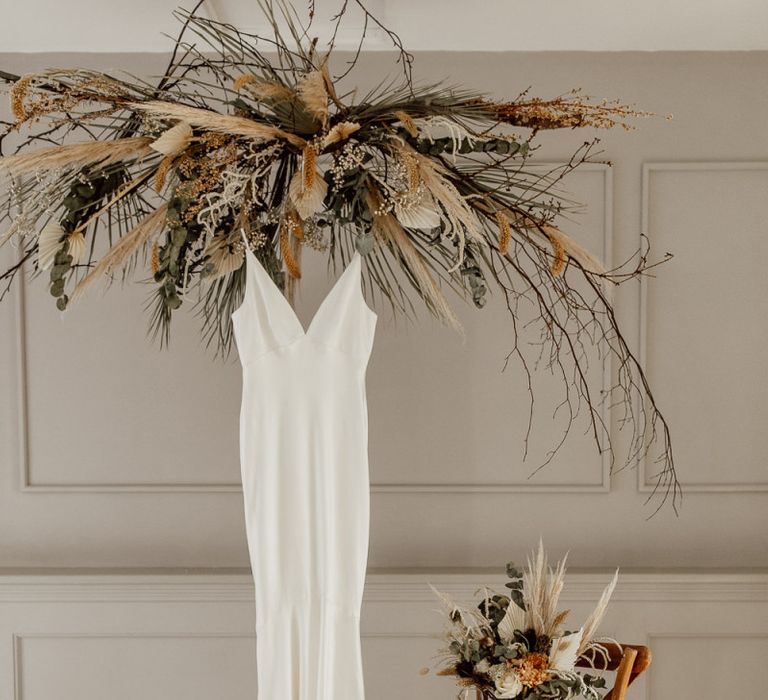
304,468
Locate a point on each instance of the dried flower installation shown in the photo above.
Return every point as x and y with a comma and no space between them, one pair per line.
435,186
517,646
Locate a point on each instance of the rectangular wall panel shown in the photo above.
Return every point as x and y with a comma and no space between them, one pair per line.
705,667
104,411
704,317
127,667
459,408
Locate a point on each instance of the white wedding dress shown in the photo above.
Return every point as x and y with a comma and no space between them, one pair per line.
304,466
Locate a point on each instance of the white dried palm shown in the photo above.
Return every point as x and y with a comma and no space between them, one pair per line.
50,242
308,201
422,215
223,256
340,132
439,126
564,651
515,618
76,248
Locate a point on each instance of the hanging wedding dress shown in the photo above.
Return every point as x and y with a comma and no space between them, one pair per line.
304,466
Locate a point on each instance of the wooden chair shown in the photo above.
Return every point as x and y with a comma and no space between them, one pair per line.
628,660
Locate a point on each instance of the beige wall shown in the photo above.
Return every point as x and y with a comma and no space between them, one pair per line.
116,455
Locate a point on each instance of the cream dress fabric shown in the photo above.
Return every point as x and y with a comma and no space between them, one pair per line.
304,466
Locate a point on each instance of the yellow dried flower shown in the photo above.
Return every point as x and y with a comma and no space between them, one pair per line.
505,233
560,258
291,264
154,260
570,111
408,123
162,172
412,171
309,166
242,81
17,94
294,222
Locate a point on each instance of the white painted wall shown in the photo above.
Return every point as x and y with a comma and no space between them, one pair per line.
113,454
425,25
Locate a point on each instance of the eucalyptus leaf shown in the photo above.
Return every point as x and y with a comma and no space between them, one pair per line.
365,243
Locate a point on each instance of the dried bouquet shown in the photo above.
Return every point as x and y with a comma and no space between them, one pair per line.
516,645
433,184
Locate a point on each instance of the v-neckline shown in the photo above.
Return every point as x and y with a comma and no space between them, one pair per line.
304,332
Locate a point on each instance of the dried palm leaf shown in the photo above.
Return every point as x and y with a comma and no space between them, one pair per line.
340,132
223,257
308,201
76,247
50,242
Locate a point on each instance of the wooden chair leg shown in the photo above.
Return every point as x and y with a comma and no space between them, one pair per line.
623,676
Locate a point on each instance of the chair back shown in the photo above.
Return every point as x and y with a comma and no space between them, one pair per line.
627,660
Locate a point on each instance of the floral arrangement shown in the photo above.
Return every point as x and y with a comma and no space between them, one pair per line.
433,184
516,646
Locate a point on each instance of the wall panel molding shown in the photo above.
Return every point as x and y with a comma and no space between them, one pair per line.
644,478
396,587
61,616
602,485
